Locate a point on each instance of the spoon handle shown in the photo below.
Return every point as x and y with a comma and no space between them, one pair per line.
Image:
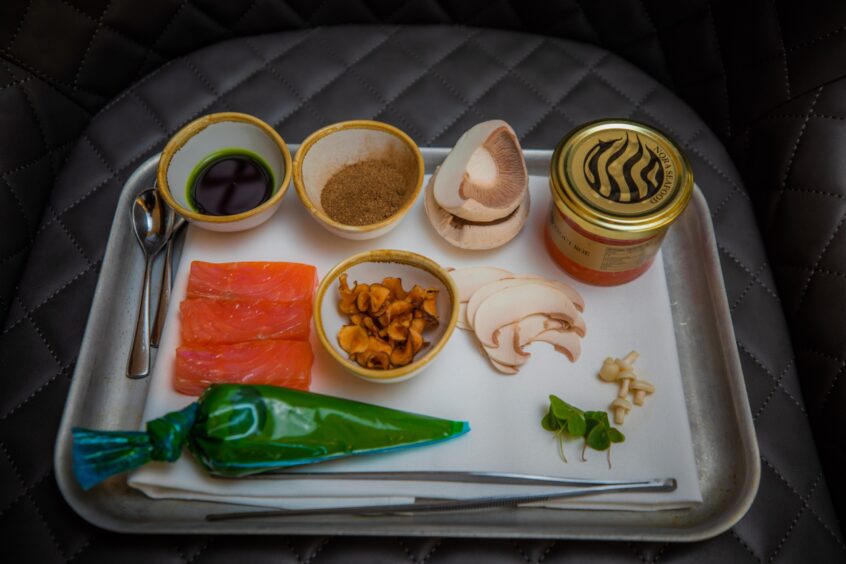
139,358
164,296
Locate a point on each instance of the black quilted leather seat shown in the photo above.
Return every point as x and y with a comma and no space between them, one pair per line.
89,89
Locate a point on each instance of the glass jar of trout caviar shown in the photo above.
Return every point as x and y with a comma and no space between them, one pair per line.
617,186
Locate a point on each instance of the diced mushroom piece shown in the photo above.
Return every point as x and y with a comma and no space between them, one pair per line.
621,408
395,286
353,339
609,371
641,389
625,378
418,324
378,299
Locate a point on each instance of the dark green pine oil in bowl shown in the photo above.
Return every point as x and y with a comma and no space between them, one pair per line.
229,182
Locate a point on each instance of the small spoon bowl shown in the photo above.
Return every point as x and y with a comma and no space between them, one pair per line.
152,221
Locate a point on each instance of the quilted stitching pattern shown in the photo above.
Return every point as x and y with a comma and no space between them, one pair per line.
775,47
433,82
809,247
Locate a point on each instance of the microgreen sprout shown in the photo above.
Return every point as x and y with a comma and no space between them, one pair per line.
564,420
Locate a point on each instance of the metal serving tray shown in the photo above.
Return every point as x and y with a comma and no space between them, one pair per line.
725,446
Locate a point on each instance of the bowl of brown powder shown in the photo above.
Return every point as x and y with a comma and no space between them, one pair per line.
358,178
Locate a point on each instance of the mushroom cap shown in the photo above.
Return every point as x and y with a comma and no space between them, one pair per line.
626,375
620,403
474,235
643,386
484,177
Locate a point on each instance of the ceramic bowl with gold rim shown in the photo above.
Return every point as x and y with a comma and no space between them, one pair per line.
329,150
225,172
374,266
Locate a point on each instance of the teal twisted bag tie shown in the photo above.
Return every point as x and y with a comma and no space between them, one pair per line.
100,454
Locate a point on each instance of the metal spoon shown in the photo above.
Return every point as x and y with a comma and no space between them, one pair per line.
167,282
151,220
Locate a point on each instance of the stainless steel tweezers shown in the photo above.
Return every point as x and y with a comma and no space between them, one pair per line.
581,488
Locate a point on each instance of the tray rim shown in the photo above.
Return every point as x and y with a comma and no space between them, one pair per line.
538,159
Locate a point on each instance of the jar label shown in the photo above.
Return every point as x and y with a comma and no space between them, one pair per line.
596,255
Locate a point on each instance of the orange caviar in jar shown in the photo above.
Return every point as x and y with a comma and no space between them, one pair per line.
617,186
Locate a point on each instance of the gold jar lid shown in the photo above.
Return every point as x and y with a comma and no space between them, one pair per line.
620,179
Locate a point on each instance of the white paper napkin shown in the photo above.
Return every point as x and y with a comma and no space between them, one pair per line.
504,412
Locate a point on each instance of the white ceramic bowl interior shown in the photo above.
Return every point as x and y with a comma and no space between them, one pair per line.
370,272
218,137
345,147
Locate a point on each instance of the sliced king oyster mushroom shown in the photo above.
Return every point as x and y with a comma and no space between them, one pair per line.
512,338
470,279
512,304
473,235
483,293
484,177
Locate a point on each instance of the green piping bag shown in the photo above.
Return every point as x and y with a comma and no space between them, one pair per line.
237,430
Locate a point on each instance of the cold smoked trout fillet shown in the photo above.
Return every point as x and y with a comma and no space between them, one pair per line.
206,321
274,281
271,362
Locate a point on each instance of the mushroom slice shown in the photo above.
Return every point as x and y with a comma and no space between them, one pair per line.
353,339
378,299
571,292
473,235
565,342
398,309
485,292
362,297
484,177
512,304
470,279
395,286
430,305
396,331
416,295
416,340
374,359
506,353
512,338
504,368
402,355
